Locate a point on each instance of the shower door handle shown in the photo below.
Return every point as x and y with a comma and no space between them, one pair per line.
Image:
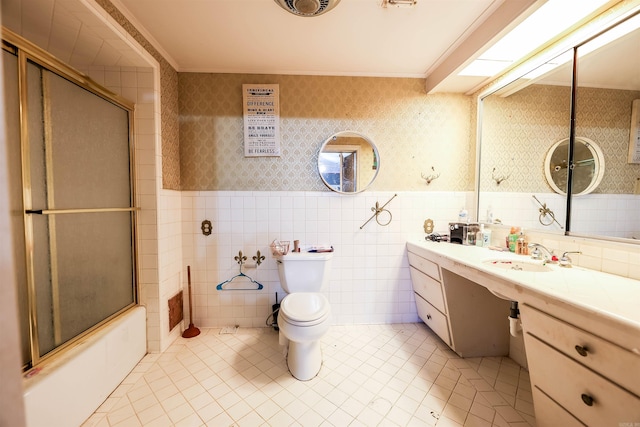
72,211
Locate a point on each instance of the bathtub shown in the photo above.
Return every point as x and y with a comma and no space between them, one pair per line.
68,390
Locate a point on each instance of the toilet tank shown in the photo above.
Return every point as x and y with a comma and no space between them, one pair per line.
304,271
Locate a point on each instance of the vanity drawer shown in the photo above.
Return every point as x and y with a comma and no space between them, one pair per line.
435,320
549,413
428,288
424,265
572,386
608,359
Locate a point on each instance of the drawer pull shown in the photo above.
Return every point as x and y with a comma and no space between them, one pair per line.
429,316
588,400
582,351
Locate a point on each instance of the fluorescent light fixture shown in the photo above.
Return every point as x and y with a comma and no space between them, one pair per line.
548,21
613,34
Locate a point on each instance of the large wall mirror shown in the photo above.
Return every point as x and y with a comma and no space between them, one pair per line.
521,122
348,162
608,81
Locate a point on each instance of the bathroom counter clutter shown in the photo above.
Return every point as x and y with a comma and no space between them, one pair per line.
607,302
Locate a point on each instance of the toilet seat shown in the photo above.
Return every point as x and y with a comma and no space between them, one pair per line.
305,308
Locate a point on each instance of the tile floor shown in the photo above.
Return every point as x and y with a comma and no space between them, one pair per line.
373,375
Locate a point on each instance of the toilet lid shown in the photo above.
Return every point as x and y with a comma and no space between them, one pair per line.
305,307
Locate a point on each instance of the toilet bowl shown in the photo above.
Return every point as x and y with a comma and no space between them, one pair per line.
305,314
304,319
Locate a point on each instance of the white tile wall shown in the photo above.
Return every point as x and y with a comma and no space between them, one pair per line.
370,280
159,220
611,215
622,259
521,209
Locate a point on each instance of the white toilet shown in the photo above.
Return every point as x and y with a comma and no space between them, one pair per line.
305,314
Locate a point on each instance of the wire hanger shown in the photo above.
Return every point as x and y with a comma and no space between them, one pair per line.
241,286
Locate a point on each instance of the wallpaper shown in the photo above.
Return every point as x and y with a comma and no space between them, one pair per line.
412,131
518,130
168,99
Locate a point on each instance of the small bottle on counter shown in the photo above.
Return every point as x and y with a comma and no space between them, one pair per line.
486,238
522,247
472,231
512,239
480,236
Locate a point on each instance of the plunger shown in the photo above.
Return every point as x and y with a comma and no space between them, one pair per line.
191,331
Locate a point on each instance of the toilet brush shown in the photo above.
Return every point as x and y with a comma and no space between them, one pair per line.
191,331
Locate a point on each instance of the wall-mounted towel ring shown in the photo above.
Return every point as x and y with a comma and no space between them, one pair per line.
377,210
547,217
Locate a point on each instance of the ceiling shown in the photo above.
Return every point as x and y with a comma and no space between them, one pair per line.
433,39
356,38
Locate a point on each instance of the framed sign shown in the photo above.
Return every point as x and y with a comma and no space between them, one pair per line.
261,109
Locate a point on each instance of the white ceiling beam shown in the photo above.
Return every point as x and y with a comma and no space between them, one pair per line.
509,14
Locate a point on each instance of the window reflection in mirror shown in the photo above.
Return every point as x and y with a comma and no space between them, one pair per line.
348,162
588,170
608,81
339,169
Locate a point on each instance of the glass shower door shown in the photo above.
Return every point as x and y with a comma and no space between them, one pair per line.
80,208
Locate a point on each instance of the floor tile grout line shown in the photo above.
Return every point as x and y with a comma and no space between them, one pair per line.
371,341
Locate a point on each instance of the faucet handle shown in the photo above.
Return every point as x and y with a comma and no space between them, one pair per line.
565,260
536,253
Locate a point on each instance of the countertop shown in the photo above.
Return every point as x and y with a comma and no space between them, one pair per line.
602,295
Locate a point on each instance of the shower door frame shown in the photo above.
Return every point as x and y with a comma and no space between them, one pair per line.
28,52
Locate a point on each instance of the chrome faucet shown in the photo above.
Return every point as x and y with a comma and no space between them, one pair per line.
565,261
537,252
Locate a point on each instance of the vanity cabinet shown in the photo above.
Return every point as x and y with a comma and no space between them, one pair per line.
425,277
467,317
578,376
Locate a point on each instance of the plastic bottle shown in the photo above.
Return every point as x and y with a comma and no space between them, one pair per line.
486,238
522,248
463,216
512,239
472,230
480,236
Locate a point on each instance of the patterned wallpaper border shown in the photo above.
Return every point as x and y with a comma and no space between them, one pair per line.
413,132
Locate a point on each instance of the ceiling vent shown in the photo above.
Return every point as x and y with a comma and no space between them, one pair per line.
307,7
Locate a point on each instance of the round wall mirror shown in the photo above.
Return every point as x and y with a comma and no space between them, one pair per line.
587,171
348,162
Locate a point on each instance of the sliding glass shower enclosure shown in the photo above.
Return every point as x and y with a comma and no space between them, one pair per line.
72,200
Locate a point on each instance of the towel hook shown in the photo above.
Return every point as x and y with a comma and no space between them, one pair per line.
431,177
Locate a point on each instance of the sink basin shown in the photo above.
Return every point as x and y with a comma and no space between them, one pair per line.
517,265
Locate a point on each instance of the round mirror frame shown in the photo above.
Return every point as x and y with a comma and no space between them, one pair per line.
349,134
598,166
